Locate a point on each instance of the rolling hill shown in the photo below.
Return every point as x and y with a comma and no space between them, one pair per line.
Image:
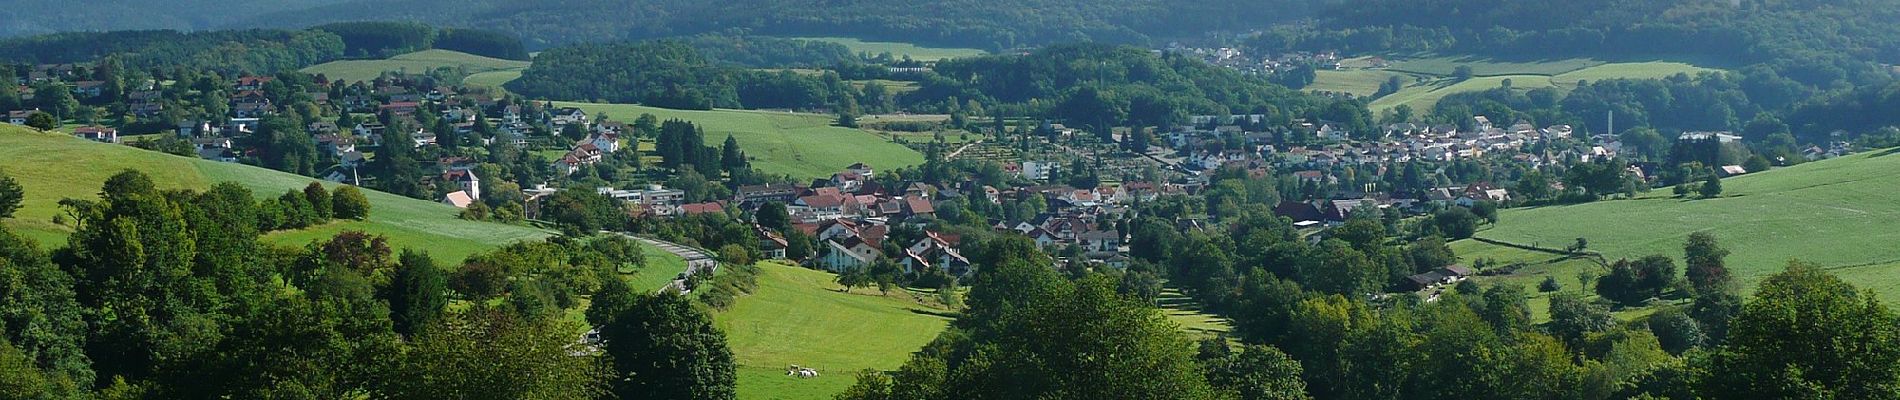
1836,213
53,167
416,63
1428,79
801,145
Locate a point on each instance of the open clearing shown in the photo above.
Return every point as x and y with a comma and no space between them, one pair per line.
416,63
492,79
1428,78
1185,311
798,316
899,50
53,167
1839,214
802,145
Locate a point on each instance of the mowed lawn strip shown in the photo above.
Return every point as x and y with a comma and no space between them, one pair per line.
798,316
53,167
1837,213
802,145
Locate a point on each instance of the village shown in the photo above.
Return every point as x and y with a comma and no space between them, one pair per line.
850,214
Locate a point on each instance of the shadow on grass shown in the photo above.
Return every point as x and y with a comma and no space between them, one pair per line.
935,313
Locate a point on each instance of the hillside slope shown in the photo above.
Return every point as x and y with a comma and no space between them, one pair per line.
1837,213
801,145
53,167
414,63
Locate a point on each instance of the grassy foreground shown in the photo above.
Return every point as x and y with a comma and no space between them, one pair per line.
801,145
798,316
53,167
1837,213
415,63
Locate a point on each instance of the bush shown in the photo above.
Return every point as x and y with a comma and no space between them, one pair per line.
348,203
1550,285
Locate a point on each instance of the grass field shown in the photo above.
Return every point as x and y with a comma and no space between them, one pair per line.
1480,66
1185,311
416,63
53,167
1359,82
801,145
797,316
1837,213
899,50
492,79
660,269
1422,97
1564,74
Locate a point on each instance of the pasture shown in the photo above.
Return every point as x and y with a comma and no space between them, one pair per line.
492,79
1836,213
417,63
1422,97
1359,82
802,145
798,316
53,167
1429,78
899,50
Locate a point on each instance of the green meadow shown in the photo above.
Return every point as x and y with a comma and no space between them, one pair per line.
798,144
1839,214
53,167
417,63
1429,78
798,316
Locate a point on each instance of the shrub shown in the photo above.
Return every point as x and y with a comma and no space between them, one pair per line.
1550,285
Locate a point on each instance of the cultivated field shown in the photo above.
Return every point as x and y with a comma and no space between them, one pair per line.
899,50
416,63
801,145
53,167
1360,79
798,316
1837,213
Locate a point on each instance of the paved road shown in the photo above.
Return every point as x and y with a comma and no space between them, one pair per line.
696,259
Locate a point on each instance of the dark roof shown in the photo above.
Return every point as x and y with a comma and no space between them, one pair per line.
1454,270
1426,279
1298,211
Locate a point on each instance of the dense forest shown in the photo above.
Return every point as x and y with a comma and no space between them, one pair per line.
260,51
963,23
669,74
384,39
255,51
1102,86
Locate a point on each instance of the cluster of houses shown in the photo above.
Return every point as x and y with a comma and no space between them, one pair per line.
1239,60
